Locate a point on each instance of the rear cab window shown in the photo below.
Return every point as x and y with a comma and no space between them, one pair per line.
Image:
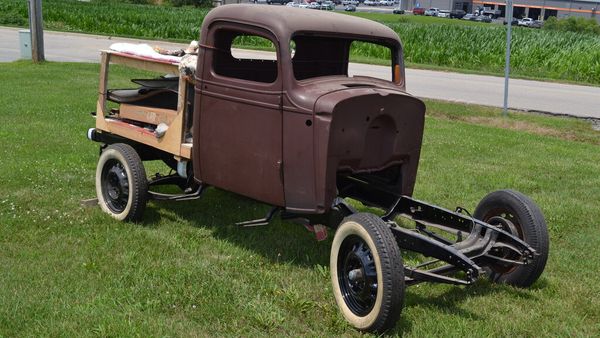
233,62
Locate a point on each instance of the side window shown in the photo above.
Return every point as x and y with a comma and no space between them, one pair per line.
231,61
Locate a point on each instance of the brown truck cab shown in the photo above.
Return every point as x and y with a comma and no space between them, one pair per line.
301,127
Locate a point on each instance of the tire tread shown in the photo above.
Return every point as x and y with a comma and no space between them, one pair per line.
139,182
392,269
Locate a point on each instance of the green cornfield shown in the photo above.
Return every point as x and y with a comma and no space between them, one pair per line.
535,53
110,18
551,54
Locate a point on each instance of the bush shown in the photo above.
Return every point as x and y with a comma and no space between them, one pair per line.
552,23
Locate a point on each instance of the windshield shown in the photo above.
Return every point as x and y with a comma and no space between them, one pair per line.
316,56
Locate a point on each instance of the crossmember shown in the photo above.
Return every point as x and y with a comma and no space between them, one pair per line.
478,244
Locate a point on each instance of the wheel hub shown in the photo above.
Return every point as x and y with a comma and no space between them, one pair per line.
504,224
357,275
507,225
115,186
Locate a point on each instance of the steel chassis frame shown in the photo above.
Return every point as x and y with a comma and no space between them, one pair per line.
478,246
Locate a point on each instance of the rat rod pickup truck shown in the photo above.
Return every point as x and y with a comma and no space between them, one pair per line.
304,132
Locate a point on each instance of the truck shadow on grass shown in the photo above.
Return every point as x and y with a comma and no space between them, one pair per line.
219,211
288,242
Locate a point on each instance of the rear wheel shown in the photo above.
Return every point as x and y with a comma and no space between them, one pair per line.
367,273
520,216
121,184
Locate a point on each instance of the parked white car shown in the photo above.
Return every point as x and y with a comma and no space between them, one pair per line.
443,14
432,12
386,2
525,22
350,2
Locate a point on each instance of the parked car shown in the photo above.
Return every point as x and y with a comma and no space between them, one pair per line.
270,2
514,21
371,3
398,10
443,14
418,11
350,2
471,17
386,3
350,8
483,18
327,6
528,22
536,24
488,11
457,14
432,11
525,22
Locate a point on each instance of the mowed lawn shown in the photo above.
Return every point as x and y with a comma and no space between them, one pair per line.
68,270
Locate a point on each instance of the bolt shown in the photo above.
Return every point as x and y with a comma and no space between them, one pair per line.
355,275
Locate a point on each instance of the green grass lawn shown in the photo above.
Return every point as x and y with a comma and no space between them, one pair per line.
68,270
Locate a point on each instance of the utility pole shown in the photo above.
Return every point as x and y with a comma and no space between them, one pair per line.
37,30
509,17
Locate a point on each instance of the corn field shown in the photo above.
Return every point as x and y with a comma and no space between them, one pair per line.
110,18
552,54
536,53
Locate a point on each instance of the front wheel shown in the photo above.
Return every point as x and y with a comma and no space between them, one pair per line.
367,273
520,216
121,184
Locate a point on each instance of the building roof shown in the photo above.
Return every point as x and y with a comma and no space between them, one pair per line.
284,21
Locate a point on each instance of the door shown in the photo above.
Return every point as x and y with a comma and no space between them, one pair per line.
240,141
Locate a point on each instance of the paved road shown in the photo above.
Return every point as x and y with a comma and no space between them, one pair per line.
582,101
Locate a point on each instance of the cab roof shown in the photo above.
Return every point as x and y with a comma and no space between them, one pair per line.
284,21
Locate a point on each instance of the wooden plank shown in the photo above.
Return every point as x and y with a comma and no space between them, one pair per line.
171,141
142,63
101,109
186,150
146,114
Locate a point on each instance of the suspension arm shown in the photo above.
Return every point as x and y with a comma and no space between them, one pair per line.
477,242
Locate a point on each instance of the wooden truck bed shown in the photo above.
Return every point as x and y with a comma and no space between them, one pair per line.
118,122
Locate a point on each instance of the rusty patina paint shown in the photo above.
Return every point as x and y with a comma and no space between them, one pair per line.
286,141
